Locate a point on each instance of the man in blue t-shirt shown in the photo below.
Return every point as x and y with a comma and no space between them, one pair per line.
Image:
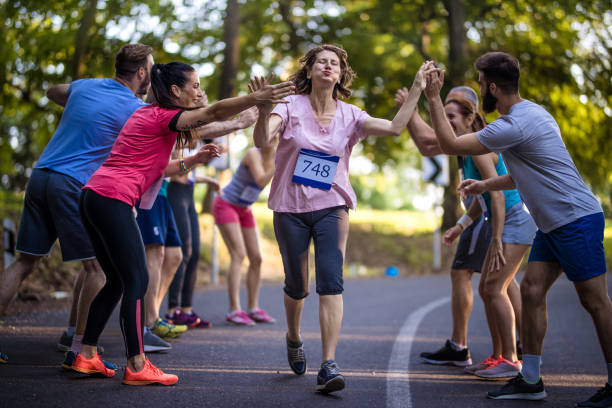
95,111
568,215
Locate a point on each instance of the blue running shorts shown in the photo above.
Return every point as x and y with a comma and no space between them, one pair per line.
577,247
157,225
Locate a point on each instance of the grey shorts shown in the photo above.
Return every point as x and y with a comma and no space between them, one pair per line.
329,230
519,227
473,245
51,211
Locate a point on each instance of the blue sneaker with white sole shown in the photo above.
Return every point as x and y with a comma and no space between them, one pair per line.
329,378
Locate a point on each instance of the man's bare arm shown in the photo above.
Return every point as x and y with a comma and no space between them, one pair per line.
58,94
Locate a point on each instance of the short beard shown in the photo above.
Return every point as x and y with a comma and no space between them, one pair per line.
489,102
144,88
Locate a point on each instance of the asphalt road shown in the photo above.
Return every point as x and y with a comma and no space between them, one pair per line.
228,366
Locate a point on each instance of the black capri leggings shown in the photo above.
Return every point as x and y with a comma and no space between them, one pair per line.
116,239
329,228
180,197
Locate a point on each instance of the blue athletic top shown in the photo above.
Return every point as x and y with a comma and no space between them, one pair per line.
470,171
95,112
242,190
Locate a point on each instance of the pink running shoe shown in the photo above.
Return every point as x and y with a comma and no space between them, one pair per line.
260,316
502,368
239,318
482,365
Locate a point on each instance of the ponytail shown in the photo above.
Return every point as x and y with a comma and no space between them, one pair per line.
163,76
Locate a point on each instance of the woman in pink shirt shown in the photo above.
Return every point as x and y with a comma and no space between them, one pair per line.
138,160
311,193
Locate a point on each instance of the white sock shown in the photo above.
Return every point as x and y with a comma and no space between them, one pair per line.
70,331
610,373
531,368
457,347
76,343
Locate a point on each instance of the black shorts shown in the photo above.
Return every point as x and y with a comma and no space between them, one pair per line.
51,211
473,245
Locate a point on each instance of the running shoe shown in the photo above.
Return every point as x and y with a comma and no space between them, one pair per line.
152,343
447,355
148,375
518,388
601,399
92,366
238,317
191,320
260,316
164,328
3,358
65,343
329,378
71,357
500,369
481,366
296,356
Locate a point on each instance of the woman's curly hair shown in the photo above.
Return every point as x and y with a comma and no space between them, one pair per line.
303,84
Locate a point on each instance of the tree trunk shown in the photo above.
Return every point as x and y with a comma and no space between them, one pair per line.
82,38
231,53
457,66
229,70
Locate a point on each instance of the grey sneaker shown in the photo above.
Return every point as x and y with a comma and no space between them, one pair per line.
152,343
296,356
65,344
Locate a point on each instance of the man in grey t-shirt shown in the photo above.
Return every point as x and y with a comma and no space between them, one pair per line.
569,217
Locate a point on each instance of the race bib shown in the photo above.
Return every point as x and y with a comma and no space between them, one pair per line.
250,194
315,169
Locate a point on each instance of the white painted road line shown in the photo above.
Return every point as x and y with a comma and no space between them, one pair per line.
398,392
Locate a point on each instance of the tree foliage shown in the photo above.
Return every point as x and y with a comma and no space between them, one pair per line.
563,46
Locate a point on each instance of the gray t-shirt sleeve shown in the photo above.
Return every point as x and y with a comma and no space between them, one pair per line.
500,135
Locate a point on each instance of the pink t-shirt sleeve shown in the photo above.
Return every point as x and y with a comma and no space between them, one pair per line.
164,116
360,117
282,110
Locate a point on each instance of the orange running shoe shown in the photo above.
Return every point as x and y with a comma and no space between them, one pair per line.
91,366
148,375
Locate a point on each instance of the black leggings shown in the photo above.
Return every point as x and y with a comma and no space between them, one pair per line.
181,289
116,239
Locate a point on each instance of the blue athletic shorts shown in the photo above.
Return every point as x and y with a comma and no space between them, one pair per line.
157,225
51,211
577,247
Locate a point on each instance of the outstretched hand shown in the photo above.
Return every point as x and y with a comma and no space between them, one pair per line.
267,95
400,96
434,84
470,186
427,69
451,235
207,153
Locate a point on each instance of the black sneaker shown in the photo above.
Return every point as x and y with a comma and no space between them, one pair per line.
601,399
329,378
296,356
518,388
447,355
65,342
